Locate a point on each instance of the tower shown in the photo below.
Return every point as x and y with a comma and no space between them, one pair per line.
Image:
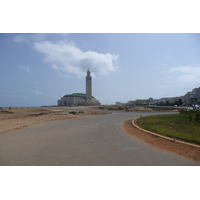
88,86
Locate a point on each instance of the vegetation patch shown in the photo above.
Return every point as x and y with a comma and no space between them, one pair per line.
174,126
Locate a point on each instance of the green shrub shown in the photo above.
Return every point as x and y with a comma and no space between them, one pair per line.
193,115
174,126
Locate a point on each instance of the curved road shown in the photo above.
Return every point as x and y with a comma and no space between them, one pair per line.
87,141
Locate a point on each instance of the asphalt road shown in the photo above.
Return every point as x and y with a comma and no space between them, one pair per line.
87,141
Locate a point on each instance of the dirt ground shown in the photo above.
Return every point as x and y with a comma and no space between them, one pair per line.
163,144
18,118
136,108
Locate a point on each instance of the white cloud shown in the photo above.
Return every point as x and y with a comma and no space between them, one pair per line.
21,39
37,92
54,66
27,69
28,38
187,73
183,75
68,58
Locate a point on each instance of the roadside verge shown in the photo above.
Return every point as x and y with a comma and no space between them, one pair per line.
172,146
158,135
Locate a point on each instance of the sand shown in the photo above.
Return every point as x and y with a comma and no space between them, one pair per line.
17,118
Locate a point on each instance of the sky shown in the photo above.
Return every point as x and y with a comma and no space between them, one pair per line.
38,69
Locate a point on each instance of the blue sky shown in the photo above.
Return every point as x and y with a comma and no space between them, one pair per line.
38,69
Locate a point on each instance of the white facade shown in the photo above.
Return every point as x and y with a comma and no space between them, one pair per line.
80,99
118,103
190,98
75,99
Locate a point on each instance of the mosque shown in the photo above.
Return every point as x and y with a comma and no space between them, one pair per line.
80,99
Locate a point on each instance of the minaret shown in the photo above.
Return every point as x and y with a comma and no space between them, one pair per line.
88,86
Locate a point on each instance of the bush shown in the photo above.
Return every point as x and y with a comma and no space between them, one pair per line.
191,114
174,126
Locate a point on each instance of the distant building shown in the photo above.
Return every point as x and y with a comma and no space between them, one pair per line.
140,102
130,103
150,101
190,98
80,99
118,103
88,87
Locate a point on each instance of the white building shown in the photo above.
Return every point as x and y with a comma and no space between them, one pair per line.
80,99
118,103
191,98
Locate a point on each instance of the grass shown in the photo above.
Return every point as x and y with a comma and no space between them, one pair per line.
174,126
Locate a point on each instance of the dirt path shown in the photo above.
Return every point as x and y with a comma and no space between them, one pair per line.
174,147
18,118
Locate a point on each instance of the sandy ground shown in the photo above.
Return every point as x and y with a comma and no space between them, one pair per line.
163,144
136,108
18,118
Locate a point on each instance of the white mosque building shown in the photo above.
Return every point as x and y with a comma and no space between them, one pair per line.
80,99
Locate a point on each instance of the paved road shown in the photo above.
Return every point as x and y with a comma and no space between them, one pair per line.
88,141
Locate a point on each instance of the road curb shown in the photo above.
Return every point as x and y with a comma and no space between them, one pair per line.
167,138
